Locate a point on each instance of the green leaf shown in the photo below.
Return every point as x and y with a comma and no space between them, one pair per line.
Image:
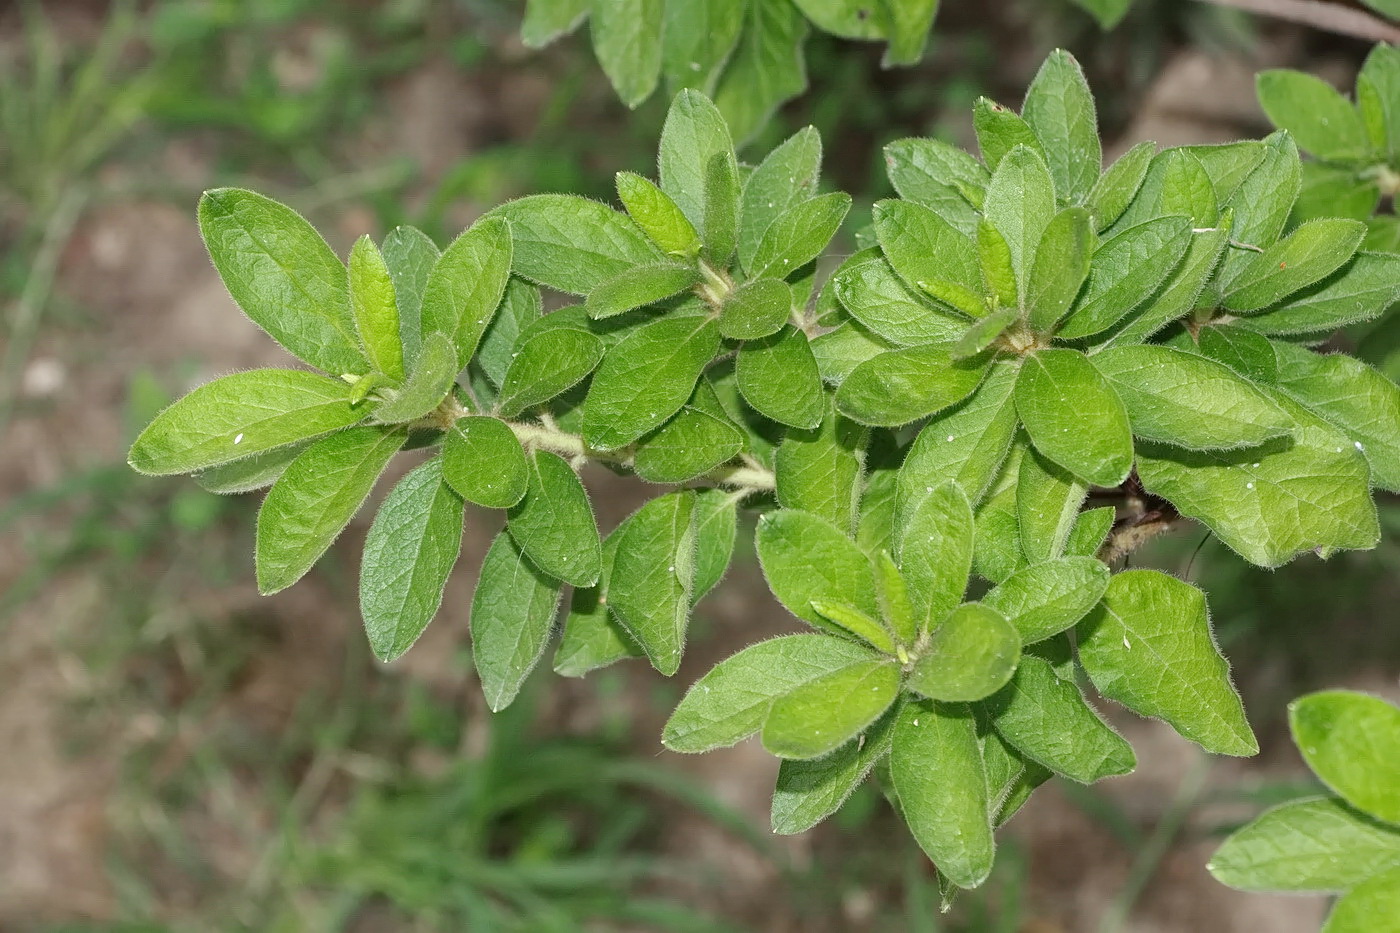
966,444
375,309
721,209
1119,184
1074,417
689,445
908,30
646,378
1127,271
857,623
997,272
869,289
1264,199
1060,268
627,40
409,552
484,463
546,366
731,702
1244,351
805,558
766,69
1020,203
1271,503
256,472
895,605
1182,290
239,415
1378,98
716,520
1108,12
937,771
660,218
1306,845
931,255
1060,109
1352,742
808,791
466,285
512,615
799,235
1047,598
1373,905
547,20
1047,720
652,576
786,177
1322,121
972,655
1227,165
554,522
984,333
697,40
572,244
1047,504
1307,255
1000,130
410,255
1149,646
997,553
428,383
756,309
840,351
935,174
638,287
1187,400
315,498
1090,532
695,135
1361,290
592,636
520,307
818,470
906,385
778,377
283,276
1351,396
823,714
934,548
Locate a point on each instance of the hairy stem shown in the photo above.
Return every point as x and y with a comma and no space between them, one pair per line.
1330,17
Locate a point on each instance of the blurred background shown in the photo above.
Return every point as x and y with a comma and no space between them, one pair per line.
178,754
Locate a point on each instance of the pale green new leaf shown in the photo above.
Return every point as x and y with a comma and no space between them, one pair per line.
1047,598
998,274
484,463
428,382
999,130
804,558
1074,417
512,615
410,255
823,714
572,244
466,285
1060,268
554,522
1352,742
982,334
652,576
1373,906
694,135
1059,107
973,653
546,366
375,309
658,215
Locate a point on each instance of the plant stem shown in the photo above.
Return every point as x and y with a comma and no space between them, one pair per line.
1330,17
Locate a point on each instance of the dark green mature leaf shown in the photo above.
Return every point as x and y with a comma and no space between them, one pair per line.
697,40
283,276
778,377
546,366
756,309
1353,397
804,558
1264,199
1307,255
1322,121
1060,109
1273,502
658,215
1352,742
934,546
1060,268
521,306
410,255
1047,598
256,472
240,415
1074,417
787,176
1126,271
512,615
1000,130
931,255
799,235
375,309
652,576
973,654
466,285
1244,351
484,463
689,445
766,68
694,136
1149,646
1020,203
716,521
592,636
1307,845
1362,290
818,470
997,553
409,552
1187,400
314,499
825,713
627,40
638,287
840,351
966,444
554,522
1047,504
1047,720
547,20
1119,184
646,378
935,174
1183,289
431,378
730,702
810,790
901,386
572,244
875,296
1378,896
938,774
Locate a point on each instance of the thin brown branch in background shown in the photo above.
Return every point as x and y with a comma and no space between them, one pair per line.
1318,14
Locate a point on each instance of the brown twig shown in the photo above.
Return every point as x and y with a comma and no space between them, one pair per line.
1330,17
